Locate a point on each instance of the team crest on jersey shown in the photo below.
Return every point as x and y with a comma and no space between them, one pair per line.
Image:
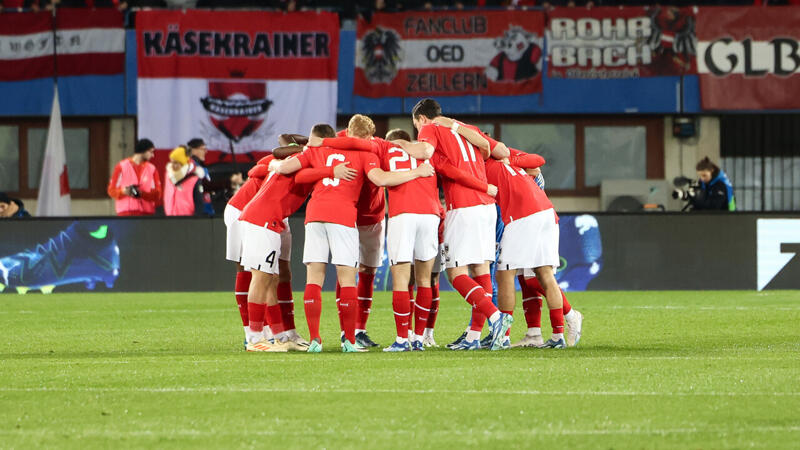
237,108
381,54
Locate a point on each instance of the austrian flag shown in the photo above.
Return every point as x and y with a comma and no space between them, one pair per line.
87,42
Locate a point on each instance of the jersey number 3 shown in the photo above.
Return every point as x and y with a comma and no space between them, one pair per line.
332,158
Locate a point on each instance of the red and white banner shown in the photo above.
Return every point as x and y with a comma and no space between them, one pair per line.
236,79
88,42
608,43
749,58
418,54
54,198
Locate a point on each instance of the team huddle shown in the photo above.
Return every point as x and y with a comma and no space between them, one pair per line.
488,188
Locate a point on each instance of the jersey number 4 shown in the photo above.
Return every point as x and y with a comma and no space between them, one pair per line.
332,158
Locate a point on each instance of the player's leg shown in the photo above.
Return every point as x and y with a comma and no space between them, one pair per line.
506,297
344,248
532,294
315,257
424,301
241,286
371,241
233,252
284,289
427,338
401,306
555,304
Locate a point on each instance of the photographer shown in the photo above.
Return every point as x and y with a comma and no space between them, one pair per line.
712,191
135,184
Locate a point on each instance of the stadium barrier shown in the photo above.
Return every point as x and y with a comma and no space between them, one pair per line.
649,251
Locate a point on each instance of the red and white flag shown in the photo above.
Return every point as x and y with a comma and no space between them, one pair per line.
54,198
88,42
236,79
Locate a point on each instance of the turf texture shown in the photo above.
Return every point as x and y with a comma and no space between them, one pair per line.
167,370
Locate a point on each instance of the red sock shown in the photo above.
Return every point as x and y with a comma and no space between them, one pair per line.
286,302
338,291
348,308
531,302
365,287
567,307
256,312
312,304
275,319
240,292
474,295
557,320
510,312
434,306
402,312
412,307
423,308
485,281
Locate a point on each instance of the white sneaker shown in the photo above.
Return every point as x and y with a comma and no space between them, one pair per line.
428,340
574,327
297,339
529,341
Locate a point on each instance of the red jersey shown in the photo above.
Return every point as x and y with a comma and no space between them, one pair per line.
371,203
517,193
334,200
418,196
250,187
455,149
277,198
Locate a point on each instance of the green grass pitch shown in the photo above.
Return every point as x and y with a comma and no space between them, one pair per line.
167,370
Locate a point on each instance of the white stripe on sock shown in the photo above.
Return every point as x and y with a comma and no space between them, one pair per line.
466,297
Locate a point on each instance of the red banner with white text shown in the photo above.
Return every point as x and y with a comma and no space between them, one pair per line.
749,58
418,54
612,43
236,79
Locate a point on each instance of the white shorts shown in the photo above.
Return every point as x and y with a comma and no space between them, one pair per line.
233,240
323,238
370,243
286,241
261,248
469,235
530,242
412,237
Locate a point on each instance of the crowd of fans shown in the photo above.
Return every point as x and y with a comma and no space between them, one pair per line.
355,7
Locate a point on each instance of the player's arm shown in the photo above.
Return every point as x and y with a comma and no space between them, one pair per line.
289,139
312,175
286,166
341,143
465,179
419,150
525,160
474,137
286,151
383,178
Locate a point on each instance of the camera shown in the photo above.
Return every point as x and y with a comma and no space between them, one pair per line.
685,188
135,193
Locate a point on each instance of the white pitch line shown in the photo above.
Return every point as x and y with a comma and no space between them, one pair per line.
328,389
360,432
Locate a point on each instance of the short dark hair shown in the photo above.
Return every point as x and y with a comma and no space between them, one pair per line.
706,164
398,133
323,130
195,142
143,145
427,107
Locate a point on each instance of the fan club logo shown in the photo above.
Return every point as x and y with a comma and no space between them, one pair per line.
237,108
382,55
519,56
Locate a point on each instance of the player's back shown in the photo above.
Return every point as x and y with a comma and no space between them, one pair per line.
459,152
277,198
517,192
418,196
334,199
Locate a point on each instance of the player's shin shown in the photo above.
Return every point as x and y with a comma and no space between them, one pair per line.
422,310
402,314
312,304
365,287
347,311
241,287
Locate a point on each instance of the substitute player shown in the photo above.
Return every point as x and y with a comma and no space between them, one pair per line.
331,227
